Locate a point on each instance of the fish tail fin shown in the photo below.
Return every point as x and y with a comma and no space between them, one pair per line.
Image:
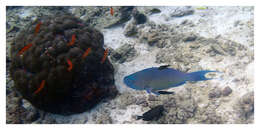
139,117
199,75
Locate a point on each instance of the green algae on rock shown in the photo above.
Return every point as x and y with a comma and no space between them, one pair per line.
64,92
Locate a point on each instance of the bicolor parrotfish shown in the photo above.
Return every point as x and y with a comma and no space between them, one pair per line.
159,78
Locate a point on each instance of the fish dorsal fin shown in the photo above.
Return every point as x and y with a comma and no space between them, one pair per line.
163,67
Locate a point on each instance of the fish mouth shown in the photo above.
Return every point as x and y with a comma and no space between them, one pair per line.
130,82
126,81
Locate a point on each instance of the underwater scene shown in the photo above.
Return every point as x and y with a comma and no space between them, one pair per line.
129,65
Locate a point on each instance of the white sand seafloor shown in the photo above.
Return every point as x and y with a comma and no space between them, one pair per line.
211,22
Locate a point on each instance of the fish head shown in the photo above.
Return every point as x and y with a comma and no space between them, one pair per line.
132,82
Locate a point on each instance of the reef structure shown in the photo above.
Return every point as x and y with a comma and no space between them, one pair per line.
56,65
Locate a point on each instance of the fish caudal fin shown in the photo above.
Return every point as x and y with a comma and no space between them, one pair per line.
139,117
199,75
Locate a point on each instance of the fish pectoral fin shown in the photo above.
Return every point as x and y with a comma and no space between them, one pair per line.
155,92
148,90
165,92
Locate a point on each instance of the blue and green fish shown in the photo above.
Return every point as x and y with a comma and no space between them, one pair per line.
155,79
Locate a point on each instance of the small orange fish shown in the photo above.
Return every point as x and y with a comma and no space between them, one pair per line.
73,38
111,11
89,95
37,28
86,53
70,65
25,48
40,88
105,56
